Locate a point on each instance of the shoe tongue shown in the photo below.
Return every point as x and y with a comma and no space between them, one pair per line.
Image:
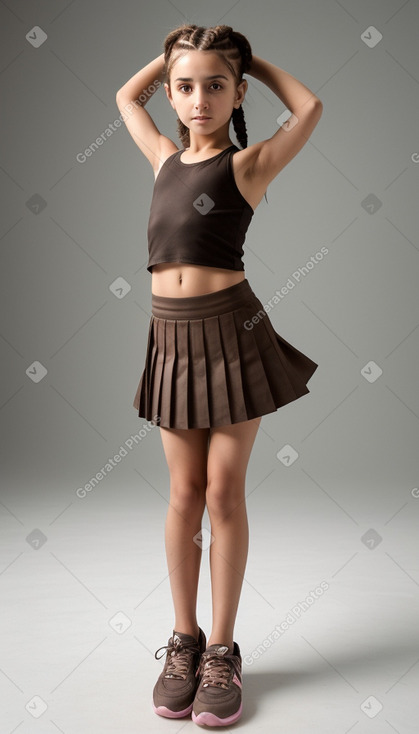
182,637
221,650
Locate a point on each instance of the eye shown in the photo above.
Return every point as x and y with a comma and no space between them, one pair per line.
183,86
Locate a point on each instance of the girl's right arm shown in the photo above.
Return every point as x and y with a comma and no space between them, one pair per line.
131,100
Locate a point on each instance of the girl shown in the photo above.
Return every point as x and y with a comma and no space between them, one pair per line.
214,364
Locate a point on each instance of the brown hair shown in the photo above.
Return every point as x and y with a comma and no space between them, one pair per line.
231,46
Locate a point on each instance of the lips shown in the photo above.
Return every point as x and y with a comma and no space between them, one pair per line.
201,117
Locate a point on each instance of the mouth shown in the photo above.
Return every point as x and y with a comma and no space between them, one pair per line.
201,117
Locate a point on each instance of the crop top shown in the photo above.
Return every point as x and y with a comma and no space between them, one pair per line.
197,213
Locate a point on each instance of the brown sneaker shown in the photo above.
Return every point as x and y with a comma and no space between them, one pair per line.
175,689
218,699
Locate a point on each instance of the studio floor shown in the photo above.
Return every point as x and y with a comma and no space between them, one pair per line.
327,622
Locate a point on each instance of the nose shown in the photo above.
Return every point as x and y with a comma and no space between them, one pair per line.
200,98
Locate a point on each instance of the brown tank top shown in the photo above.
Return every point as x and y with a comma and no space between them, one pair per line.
198,214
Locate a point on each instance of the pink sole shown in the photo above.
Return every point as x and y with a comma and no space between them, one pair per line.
208,719
163,711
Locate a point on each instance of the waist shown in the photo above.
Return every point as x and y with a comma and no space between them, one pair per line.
204,305
184,280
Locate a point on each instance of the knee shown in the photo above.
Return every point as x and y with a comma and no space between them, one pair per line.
224,495
187,496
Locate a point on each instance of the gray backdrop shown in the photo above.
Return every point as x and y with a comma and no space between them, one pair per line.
82,565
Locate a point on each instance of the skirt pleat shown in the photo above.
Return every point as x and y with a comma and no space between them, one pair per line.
199,413
181,395
233,362
208,364
158,374
140,400
169,366
217,380
254,357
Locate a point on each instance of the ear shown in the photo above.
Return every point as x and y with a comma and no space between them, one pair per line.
240,93
169,95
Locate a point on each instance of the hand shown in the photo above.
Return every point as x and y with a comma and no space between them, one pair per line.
256,67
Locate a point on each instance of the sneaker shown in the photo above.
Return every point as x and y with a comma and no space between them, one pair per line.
218,699
175,689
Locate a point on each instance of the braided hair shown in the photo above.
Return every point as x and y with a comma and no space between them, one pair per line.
235,50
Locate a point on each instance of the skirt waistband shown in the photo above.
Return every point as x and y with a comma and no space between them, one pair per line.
205,305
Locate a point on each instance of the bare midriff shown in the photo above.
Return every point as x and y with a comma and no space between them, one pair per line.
182,280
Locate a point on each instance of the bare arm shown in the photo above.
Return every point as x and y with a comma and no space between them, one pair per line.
294,94
131,99
271,155
143,81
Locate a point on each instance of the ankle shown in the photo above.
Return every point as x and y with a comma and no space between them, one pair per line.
188,629
220,641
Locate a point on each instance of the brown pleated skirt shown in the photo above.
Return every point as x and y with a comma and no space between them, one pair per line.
215,359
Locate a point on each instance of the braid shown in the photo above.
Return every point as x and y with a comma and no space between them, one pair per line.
239,125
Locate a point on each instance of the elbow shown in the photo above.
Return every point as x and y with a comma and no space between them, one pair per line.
121,95
122,101
318,105
313,107
316,109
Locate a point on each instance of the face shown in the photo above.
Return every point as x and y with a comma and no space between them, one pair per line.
193,94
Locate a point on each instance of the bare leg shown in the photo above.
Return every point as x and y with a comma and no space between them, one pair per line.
228,456
186,455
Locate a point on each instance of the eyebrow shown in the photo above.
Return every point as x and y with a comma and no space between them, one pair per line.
189,79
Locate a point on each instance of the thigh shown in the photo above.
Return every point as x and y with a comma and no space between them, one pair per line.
229,452
186,454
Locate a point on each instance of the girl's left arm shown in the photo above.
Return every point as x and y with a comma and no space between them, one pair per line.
294,94
271,155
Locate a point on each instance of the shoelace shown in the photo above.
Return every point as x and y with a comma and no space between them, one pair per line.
180,658
215,669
